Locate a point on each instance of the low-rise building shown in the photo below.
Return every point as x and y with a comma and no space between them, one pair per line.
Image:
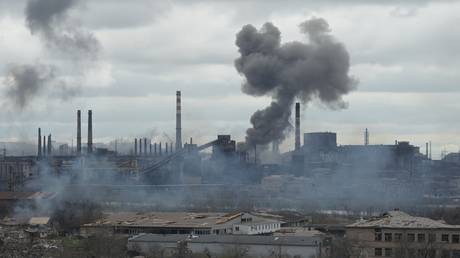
250,246
132,223
398,234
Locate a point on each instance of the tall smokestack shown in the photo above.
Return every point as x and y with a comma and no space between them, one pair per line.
49,145
366,137
159,149
145,146
430,151
78,132
90,131
135,147
44,145
39,153
140,146
297,126
178,122
426,151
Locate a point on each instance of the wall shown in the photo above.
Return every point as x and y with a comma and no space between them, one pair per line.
226,248
363,239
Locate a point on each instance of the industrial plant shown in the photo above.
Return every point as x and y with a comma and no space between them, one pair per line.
222,187
241,177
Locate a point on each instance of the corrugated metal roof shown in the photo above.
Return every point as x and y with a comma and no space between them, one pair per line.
159,219
170,219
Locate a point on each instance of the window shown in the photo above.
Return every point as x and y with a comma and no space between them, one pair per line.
246,219
445,253
420,238
378,235
455,239
411,237
388,237
378,252
388,252
398,237
237,228
456,254
445,238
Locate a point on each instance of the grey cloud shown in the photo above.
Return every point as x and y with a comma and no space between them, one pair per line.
104,14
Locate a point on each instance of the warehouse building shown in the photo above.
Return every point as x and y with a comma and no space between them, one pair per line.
252,246
131,223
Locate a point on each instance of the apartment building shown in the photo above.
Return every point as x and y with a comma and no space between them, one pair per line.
398,234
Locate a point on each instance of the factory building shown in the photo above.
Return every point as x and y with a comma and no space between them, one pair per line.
320,142
216,246
321,151
224,147
14,171
131,223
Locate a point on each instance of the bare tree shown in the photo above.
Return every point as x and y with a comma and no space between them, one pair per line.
236,251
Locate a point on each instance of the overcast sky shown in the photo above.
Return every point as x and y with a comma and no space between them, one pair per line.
405,54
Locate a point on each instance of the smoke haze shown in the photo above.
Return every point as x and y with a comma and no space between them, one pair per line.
24,82
50,21
289,71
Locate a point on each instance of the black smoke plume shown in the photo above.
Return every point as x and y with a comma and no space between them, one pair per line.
49,20
24,82
289,71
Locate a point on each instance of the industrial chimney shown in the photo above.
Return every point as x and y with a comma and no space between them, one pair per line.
297,126
78,132
39,142
178,122
135,147
49,145
140,146
90,131
44,146
366,137
426,150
